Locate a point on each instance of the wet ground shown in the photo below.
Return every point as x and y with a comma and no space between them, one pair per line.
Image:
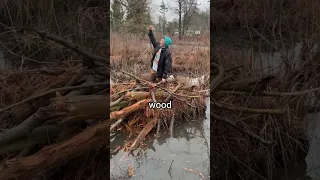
183,155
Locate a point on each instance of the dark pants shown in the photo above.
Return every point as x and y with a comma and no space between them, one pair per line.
153,77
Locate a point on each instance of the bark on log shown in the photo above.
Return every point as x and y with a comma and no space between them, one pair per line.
139,95
126,111
94,105
26,126
89,106
52,91
53,156
39,135
84,107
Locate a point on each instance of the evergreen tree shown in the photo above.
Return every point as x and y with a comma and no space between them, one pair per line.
139,16
117,14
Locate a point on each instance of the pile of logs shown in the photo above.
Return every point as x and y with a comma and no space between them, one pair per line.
59,122
130,111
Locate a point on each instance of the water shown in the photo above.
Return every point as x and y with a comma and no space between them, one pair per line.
313,156
166,157
4,63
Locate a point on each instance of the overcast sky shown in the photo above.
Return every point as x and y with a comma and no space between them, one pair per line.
155,8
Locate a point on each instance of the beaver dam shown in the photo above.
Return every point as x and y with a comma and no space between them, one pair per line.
53,119
132,116
130,102
260,114
54,90
149,143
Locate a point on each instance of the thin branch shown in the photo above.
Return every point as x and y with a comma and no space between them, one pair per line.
249,110
112,104
116,124
266,93
246,131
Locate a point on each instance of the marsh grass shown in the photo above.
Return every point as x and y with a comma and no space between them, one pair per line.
133,54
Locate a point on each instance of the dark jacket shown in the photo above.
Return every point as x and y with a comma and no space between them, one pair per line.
165,61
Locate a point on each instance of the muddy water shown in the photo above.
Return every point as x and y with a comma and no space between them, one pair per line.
168,155
272,63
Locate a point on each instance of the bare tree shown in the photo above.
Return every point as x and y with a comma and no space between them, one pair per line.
185,10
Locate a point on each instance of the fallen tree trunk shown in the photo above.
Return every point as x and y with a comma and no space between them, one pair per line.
126,111
144,95
40,135
26,126
89,106
53,156
53,91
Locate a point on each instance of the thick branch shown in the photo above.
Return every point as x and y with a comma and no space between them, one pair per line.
126,111
39,135
53,91
151,124
26,126
53,156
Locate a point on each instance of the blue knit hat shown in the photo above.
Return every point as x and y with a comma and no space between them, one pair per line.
167,41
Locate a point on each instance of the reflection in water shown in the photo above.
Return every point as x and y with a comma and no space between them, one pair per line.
167,156
4,63
313,156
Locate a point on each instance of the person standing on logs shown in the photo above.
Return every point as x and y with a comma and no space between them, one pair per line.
161,61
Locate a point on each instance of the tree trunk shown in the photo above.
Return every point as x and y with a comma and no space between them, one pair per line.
180,14
53,156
